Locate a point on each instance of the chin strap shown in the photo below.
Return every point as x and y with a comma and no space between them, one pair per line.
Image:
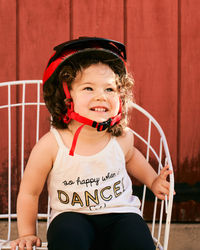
71,152
71,115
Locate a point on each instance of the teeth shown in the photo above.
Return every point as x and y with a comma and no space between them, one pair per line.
100,109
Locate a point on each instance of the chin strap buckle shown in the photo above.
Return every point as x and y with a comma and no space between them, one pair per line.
102,125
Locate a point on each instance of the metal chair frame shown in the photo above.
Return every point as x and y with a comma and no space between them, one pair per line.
163,150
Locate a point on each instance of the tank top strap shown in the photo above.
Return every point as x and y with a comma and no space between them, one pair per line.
58,137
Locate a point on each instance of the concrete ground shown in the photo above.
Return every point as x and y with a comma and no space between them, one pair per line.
182,236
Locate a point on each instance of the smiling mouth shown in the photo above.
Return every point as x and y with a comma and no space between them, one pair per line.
99,109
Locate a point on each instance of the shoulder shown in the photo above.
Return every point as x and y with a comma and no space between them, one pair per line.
126,141
46,141
46,146
43,154
39,163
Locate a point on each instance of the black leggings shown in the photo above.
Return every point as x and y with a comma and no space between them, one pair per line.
75,231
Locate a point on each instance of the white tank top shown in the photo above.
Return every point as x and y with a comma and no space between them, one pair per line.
96,184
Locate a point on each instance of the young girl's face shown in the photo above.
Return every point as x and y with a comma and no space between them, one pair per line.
94,93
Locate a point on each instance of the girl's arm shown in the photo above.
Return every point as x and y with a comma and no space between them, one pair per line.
35,174
138,167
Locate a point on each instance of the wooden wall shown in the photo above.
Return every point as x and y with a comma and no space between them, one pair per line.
163,45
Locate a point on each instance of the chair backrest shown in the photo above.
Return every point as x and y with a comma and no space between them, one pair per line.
24,119
155,147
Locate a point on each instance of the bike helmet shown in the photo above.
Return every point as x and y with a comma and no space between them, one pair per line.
63,53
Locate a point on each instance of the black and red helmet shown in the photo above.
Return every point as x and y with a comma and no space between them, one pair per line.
68,49
83,45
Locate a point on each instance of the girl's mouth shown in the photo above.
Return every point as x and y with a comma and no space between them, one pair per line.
99,109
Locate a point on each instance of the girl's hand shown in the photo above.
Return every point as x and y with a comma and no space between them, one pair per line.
160,186
26,242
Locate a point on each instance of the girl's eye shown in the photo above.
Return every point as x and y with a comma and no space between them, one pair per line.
109,89
88,88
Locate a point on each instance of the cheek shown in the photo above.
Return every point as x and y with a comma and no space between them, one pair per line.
77,104
115,104
80,102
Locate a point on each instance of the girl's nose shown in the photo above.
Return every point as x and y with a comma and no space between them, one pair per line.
100,95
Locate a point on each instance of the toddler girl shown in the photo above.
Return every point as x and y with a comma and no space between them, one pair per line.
88,155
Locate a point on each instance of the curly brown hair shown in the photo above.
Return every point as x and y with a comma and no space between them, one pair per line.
55,98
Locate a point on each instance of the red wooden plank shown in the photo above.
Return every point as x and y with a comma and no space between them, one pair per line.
8,40
7,73
4,135
42,25
190,93
103,18
152,53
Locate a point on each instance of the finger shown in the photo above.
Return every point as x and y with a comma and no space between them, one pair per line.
38,242
165,173
29,245
174,193
164,168
13,244
162,171
162,190
22,244
13,247
161,196
166,184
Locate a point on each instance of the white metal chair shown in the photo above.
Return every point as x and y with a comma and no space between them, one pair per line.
21,110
